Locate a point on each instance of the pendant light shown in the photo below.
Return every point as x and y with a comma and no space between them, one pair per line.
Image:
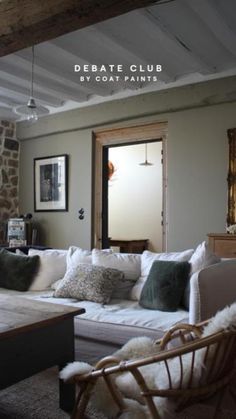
146,162
31,111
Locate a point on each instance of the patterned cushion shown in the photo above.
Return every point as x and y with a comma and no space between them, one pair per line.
89,282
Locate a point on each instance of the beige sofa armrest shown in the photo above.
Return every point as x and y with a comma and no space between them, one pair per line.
211,289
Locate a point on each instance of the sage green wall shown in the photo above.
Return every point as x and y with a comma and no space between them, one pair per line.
60,229
197,158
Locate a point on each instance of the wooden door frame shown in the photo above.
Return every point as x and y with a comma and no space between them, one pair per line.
119,136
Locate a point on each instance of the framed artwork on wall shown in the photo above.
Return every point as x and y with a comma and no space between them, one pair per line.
51,183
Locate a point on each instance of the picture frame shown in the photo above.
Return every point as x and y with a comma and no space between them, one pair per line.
51,183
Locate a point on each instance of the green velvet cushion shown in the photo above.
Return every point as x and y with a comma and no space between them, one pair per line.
17,272
165,285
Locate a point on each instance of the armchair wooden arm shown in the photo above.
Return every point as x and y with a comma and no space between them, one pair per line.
216,351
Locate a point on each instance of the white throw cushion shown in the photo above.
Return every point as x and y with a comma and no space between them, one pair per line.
128,263
202,257
147,260
137,288
77,255
52,267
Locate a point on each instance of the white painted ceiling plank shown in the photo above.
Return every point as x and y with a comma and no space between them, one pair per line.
66,60
54,59
4,100
169,42
7,114
186,25
121,47
147,41
99,46
219,27
226,9
107,53
41,83
197,63
20,67
42,97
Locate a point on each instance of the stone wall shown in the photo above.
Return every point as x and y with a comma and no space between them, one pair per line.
9,175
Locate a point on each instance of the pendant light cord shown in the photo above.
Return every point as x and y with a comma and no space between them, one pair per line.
30,111
32,74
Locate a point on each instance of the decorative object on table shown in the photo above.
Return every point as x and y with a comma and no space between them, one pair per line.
31,111
16,235
51,183
231,229
20,231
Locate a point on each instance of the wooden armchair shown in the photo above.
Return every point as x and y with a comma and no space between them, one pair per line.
192,382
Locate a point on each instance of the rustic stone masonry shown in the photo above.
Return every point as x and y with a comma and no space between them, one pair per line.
9,175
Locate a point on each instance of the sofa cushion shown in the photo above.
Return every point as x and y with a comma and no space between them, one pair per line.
122,290
89,282
201,258
147,260
165,285
17,272
128,263
52,267
77,255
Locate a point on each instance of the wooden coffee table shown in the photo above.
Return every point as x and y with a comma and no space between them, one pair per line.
34,336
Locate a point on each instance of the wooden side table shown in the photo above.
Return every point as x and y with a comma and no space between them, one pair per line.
130,246
222,244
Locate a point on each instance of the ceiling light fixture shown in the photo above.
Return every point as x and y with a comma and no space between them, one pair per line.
146,162
31,111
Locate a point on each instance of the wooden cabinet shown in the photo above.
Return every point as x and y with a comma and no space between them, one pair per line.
130,246
223,245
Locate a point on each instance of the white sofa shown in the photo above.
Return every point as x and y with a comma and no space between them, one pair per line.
104,328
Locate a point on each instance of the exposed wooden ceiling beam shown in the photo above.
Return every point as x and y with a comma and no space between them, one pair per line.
26,22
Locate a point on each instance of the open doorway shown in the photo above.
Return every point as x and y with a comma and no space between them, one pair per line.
133,196
108,140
